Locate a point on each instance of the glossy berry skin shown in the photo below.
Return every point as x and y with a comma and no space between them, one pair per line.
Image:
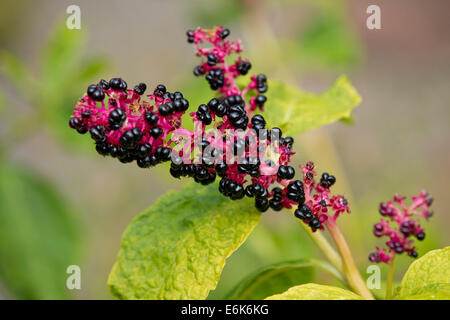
303,212
212,59
95,92
221,169
217,107
215,78
160,90
78,124
260,100
420,236
118,84
262,204
190,36
181,104
315,223
140,88
275,205
258,122
224,33
236,112
286,172
231,189
130,138
327,180
102,148
203,114
166,109
156,132
151,118
98,133
295,192
104,84
243,67
199,71
288,142
261,83
116,118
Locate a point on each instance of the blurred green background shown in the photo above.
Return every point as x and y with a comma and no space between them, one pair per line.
62,204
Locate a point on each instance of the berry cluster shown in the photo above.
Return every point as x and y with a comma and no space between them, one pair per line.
400,237
124,125
228,141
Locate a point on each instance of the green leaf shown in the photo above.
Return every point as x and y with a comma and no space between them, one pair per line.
177,248
312,291
278,277
427,276
296,111
39,236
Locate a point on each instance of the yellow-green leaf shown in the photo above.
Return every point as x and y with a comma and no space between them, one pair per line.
177,248
296,111
312,291
435,291
279,277
427,276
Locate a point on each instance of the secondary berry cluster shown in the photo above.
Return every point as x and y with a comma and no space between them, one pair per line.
406,226
229,140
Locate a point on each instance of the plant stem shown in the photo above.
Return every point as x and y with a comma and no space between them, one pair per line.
389,279
354,280
325,246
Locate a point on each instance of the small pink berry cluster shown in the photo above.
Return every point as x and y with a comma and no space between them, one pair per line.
228,141
400,237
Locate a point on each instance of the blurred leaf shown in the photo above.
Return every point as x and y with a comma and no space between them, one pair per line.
62,52
313,291
177,248
327,41
197,92
296,111
39,238
64,77
278,278
427,275
16,72
219,13
57,104
90,69
330,41
350,120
